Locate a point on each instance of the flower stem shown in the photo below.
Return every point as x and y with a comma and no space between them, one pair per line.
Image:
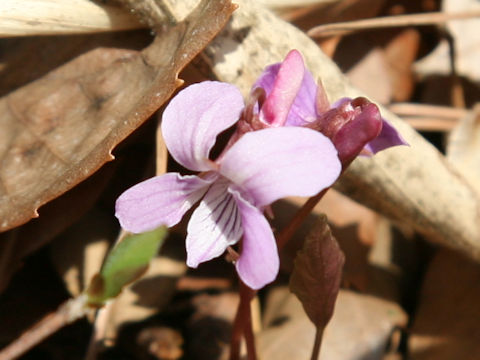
317,344
248,333
288,231
242,325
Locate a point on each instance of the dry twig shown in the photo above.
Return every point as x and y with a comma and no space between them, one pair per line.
429,117
67,313
433,18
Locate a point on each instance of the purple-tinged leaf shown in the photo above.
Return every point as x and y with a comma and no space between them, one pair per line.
317,273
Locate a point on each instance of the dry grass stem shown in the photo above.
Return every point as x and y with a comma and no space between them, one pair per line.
433,18
429,117
67,313
430,123
411,109
274,4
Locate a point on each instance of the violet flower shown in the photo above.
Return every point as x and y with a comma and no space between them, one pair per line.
255,170
288,141
355,126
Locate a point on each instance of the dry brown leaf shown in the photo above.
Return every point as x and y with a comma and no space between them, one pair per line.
60,129
361,326
336,11
373,66
384,73
316,276
466,40
446,321
400,53
412,184
23,60
57,216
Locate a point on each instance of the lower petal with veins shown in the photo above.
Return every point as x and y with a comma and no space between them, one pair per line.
214,225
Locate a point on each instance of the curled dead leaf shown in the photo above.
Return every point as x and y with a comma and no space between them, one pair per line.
58,130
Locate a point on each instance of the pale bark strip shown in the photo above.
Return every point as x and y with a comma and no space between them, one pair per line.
49,17
413,184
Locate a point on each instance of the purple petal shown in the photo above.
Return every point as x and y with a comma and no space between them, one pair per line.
280,99
273,163
267,78
258,263
388,137
214,225
340,102
161,200
302,110
194,118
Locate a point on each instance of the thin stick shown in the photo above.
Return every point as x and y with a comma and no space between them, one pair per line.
429,117
431,18
412,109
67,313
431,124
279,4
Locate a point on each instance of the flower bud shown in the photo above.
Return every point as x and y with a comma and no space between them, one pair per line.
350,125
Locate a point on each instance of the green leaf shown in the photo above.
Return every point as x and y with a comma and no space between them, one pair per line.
125,263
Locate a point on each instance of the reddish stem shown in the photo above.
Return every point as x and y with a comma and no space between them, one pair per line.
289,230
248,333
317,344
242,325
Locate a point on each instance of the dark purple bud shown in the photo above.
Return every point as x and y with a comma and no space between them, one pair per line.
351,125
